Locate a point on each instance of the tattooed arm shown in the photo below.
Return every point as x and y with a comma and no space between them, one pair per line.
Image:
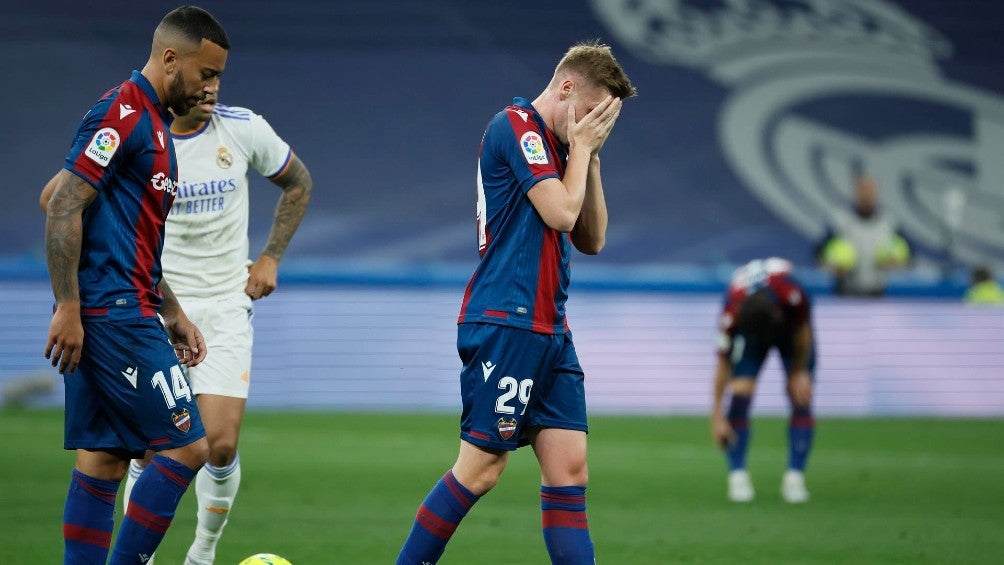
63,236
296,185
43,199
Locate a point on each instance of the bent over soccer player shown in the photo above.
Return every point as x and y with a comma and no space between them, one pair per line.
538,180
765,308
125,389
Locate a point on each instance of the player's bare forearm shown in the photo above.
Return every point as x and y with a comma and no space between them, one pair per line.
722,374
590,232
721,431
64,234
189,345
170,306
559,202
296,186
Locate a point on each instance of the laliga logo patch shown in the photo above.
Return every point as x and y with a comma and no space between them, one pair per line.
223,158
533,148
506,427
182,420
103,146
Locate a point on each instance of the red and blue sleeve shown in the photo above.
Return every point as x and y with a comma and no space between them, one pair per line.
520,144
101,143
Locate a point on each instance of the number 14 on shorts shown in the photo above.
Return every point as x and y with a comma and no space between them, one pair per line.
177,389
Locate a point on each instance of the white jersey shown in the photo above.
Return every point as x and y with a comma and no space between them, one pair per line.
206,239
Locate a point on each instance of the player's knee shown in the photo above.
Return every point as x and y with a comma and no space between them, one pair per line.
578,476
485,480
118,472
572,472
194,455
479,479
222,453
802,404
101,465
743,386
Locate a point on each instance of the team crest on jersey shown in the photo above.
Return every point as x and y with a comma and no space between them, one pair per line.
182,420
507,427
223,158
533,148
103,146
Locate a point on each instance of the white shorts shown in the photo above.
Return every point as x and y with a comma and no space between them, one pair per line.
226,326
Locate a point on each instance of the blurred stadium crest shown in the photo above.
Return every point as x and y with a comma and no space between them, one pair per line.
804,79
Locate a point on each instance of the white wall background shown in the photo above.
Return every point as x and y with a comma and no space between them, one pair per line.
393,348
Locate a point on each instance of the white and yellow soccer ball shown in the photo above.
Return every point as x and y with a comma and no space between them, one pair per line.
265,559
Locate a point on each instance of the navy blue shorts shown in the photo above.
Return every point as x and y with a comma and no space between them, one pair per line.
748,355
129,393
514,380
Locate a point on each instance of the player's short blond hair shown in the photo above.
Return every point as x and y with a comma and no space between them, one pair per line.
595,61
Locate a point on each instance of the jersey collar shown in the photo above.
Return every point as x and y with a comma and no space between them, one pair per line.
525,104
193,133
147,88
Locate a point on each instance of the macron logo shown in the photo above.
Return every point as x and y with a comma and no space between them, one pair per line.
488,367
125,110
521,113
130,375
144,558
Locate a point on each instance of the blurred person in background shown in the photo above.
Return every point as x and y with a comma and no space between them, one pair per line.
862,244
765,308
984,288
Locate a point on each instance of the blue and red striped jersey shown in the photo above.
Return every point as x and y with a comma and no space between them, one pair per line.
123,148
775,274
522,278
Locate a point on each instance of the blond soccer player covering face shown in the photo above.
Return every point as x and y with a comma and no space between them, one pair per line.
539,193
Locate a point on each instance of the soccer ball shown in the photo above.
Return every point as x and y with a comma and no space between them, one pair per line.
840,254
265,559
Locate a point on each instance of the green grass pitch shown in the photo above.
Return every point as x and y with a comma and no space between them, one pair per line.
335,488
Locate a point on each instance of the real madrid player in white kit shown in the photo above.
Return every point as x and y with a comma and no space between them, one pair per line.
206,262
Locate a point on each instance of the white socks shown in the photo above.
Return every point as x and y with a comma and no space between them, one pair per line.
135,470
215,491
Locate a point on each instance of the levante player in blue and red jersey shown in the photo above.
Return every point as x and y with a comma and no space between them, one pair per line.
125,388
539,193
765,308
